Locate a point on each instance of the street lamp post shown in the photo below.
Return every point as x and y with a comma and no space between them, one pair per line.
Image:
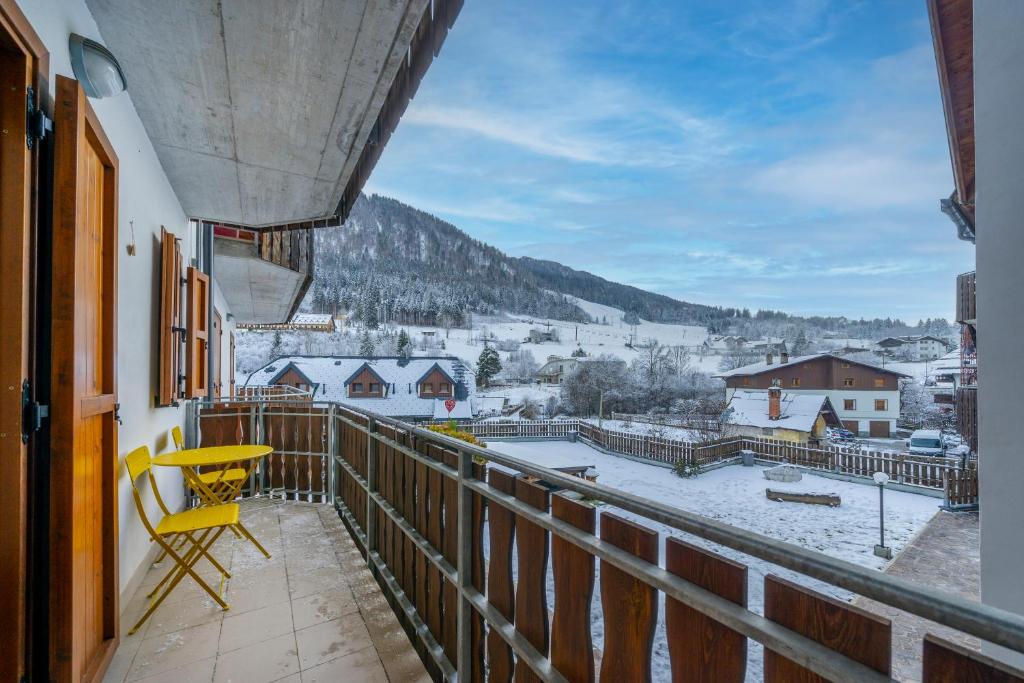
881,478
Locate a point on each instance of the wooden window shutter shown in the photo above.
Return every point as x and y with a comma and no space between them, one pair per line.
169,389
198,331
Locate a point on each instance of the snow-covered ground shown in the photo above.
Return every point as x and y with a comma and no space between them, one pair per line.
736,495
644,429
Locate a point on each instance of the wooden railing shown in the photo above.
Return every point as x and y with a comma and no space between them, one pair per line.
492,575
966,298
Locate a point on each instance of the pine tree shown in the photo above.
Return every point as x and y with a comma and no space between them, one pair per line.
275,349
366,347
404,346
487,366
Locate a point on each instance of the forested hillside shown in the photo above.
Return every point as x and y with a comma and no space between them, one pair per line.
391,262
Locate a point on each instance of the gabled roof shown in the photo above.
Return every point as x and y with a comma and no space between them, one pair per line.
364,366
331,375
762,367
433,367
799,411
286,368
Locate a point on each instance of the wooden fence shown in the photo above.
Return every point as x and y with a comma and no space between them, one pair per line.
912,470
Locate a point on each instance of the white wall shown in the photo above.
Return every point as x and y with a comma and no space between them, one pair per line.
147,200
999,135
228,326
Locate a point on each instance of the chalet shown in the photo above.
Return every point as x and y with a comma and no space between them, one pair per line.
311,322
781,415
721,345
557,368
866,397
538,336
920,347
419,388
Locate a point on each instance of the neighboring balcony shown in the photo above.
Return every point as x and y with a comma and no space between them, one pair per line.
263,273
966,299
967,415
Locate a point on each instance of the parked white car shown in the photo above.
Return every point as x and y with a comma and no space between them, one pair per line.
927,442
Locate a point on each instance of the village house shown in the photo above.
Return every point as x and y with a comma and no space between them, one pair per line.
917,348
538,336
866,397
310,322
556,369
418,388
802,418
722,345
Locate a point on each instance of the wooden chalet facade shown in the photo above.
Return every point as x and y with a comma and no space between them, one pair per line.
866,397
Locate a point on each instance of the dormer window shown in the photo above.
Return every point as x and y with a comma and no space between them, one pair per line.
357,387
374,388
444,388
428,388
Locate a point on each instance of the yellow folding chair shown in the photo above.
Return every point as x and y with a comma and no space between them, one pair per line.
224,484
197,529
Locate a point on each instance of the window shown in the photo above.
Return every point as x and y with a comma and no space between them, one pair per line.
746,381
428,388
879,382
443,388
796,381
374,388
169,384
198,333
357,387
847,381
881,404
849,404
845,364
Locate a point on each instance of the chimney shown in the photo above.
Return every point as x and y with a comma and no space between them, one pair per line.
775,401
783,357
768,357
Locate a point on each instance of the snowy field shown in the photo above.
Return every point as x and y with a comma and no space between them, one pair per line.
736,495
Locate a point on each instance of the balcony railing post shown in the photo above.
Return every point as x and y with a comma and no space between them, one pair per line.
371,486
253,440
332,451
464,562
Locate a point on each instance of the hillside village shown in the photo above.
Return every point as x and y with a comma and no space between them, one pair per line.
867,391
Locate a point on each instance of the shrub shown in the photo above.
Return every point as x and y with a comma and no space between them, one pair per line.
684,468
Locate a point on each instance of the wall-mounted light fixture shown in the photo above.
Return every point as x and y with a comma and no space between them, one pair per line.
95,67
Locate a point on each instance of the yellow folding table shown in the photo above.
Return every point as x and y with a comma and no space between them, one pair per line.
217,490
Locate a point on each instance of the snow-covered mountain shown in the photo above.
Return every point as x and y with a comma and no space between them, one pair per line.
391,260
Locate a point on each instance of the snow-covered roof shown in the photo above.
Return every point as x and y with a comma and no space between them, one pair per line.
400,376
311,319
488,405
758,368
799,411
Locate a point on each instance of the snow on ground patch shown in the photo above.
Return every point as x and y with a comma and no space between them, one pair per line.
735,495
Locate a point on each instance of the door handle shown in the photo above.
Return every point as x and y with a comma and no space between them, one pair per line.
117,414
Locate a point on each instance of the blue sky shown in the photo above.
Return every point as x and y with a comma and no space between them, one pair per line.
768,154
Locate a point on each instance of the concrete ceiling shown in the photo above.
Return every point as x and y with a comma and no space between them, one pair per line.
258,109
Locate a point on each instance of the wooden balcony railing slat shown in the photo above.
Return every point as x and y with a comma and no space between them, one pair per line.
500,588
701,649
946,662
531,608
630,605
449,548
572,646
434,536
848,630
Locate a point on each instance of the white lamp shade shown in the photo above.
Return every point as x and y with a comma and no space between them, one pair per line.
95,67
881,478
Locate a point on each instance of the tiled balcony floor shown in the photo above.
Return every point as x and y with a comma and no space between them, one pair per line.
310,613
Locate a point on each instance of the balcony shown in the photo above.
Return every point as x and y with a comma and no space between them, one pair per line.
264,274
966,299
466,548
967,415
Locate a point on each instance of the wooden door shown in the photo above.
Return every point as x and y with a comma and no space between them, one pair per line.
879,428
23,65
83,497
218,337
852,425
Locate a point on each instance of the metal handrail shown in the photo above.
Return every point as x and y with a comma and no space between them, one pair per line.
982,621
